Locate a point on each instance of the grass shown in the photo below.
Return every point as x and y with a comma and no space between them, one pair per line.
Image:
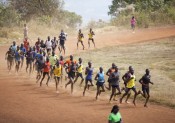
158,56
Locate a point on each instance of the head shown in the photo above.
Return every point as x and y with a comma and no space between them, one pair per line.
132,71
58,64
48,38
116,69
61,58
89,64
90,29
34,48
79,30
17,48
22,45
113,65
10,49
101,69
80,60
25,25
115,109
54,38
130,68
14,43
42,41
62,31
39,39
30,49
133,17
147,71
71,57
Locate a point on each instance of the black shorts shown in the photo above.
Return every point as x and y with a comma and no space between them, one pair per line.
28,61
91,39
88,80
128,89
115,86
46,73
48,50
80,75
145,89
100,83
71,75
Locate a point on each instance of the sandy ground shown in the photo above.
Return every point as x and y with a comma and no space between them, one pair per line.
22,100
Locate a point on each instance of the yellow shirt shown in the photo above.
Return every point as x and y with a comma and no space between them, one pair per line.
80,68
57,71
80,37
131,82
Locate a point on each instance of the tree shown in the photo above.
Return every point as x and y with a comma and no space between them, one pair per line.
30,8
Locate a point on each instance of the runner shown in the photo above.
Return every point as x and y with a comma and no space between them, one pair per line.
39,66
125,77
61,62
42,45
133,22
46,72
115,84
68,63
57,74
29,58
9,57
14,47
23,52
17,59
34,53
91,34
25,31
37,44
62,38
130,86
26,44
79,71
71,75
48,44
53,60
115,116
54,44
145,80
109,73
80,38
100,82
89,73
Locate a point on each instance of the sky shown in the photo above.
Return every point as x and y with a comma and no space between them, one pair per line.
89,9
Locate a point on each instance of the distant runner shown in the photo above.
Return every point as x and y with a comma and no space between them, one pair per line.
17,59
48,45
54,44
9,57
25,31
57,74
80,38
62,38
133,22
23,52
91,34
29,58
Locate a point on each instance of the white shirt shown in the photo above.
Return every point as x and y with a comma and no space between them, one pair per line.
48,44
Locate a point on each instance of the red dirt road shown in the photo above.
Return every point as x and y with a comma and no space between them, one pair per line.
22,100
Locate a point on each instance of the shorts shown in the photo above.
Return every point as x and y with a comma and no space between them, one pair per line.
88,80
28,61
71,75
91,39
80,41
46,73
132,26
80,75
62,45
145,89
100,83
128,89
115,86
109,80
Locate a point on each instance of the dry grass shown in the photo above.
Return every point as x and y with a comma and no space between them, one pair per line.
158,56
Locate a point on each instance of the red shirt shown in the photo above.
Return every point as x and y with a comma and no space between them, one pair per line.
26,44
47,67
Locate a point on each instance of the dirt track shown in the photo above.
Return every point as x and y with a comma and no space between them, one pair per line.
22,100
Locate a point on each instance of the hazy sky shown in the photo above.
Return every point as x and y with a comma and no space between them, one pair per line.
89,9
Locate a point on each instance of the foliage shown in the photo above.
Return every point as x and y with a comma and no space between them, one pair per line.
147,12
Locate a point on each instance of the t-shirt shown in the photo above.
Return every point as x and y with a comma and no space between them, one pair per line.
101,77
131,82
48,44
53,60
115,78
89,73
79,68
47,67
57,71
115,118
